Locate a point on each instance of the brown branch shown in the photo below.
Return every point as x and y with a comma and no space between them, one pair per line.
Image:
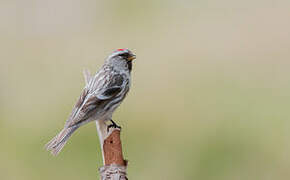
114,164
113,149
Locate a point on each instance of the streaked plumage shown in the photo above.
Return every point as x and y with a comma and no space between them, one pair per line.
102,94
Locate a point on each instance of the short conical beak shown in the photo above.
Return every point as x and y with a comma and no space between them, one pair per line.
132,57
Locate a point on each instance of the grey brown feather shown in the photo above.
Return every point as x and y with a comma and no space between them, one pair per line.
102,94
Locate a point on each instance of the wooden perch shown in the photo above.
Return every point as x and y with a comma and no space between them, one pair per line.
115,166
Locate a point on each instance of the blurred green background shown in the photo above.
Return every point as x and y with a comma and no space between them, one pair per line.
209,100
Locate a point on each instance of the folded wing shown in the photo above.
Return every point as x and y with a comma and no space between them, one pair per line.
91,102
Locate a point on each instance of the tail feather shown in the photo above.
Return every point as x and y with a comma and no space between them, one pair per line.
57,143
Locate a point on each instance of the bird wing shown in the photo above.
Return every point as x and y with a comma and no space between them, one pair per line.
92,102
112,88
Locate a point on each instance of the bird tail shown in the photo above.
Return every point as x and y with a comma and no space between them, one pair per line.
57,143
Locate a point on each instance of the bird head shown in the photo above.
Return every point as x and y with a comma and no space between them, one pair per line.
122,58
124,54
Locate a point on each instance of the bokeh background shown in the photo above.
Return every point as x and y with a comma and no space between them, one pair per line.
210,96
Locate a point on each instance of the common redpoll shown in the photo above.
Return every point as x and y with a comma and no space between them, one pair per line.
102,94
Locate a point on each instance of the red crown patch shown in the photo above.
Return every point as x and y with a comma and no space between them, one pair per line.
121,49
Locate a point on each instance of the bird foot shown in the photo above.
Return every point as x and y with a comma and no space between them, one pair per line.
113,125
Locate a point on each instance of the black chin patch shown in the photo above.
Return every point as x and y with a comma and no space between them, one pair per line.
129,65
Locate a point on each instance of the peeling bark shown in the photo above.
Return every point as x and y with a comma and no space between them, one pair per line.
115,166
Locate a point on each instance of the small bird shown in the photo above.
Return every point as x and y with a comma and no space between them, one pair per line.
102,94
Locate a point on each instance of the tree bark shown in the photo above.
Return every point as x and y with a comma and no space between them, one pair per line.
114,165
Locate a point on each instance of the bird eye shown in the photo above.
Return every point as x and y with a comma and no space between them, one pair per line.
124,55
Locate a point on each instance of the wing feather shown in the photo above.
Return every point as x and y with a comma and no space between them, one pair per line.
87,76
91,102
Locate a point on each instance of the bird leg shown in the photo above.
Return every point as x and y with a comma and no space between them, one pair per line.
113,125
